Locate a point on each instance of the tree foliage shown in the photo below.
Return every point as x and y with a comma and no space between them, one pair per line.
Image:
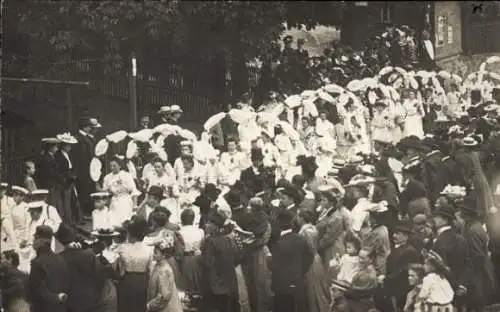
38,34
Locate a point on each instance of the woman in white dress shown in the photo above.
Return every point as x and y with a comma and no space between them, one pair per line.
232,162
19,212
413,124
161,178
382,123
191,182
120,184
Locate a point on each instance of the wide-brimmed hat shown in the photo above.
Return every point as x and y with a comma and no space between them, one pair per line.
403,226
40,193
360,180
100,195
105,233
176,109
157,191
20,190
435,259
50,141
338,163
66,138
410,142
446,211
4,185
211,191
470,142
164,110
35,205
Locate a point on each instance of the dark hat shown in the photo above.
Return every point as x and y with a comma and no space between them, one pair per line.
44,232
233,199
290,190
217,219
403,227
410,142
156,191
89,122
211,191
288,39
256,154
65,234
446,211
430,142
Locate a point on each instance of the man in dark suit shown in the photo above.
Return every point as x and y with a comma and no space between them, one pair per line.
83,268
289,200
256,178
396,279
431,162
427,52
82,153
290,261
219,257
413,199
452,247
49,280
482,283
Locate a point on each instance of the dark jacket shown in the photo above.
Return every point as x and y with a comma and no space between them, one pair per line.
254,183
219,256
48,172
396,279
291,259
67,175
414,190
49,276
83,267
452,247
81,155
431,180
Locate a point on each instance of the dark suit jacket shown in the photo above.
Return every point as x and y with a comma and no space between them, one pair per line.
414,190
49,276
83,267
255,183
81,155
396,279
291,259
425,60
68,175
433,183
452,247
219,256
48,173
275,225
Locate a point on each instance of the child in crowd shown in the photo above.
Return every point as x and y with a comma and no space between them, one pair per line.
348,265
416,272
29,174
101,217
436,293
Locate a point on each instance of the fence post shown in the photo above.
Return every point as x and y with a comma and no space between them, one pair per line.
133,94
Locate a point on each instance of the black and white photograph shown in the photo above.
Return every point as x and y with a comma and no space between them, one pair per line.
249,156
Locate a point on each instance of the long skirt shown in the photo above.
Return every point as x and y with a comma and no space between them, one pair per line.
55,200
192,274
109,297
242,290
176,270
132,292
318,292
258,279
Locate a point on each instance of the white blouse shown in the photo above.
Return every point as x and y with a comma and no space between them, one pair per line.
436,289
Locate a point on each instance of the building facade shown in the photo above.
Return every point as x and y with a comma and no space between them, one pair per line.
456,27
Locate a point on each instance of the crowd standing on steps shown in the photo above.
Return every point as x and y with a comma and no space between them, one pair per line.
378,193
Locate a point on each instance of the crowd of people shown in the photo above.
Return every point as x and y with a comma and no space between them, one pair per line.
373,195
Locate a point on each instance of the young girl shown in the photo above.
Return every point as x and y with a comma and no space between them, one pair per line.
121,185
29,173
101,217
348,265
436,293
416,273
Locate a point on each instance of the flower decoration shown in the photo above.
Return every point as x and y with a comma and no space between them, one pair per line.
164,242
454,191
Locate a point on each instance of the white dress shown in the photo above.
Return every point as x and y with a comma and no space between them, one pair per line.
231,165
413,122
20,217
121,186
